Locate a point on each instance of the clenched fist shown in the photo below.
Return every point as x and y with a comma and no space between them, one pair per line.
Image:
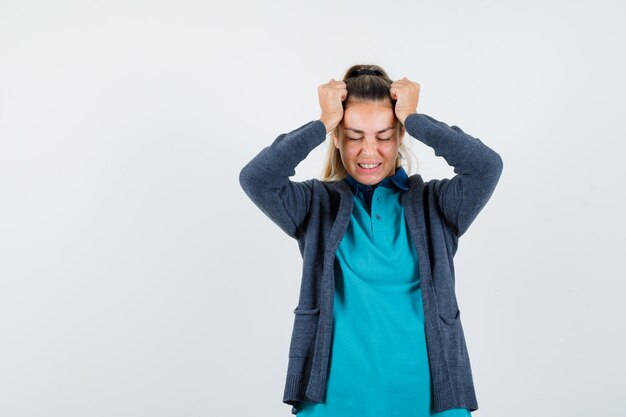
331,96
406,92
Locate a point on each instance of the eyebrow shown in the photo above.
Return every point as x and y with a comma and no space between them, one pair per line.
360,131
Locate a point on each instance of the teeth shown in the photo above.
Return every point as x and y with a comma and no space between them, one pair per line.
369,165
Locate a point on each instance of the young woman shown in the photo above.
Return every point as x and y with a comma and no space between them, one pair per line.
377,330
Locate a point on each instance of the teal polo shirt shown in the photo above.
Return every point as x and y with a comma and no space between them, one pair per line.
379,359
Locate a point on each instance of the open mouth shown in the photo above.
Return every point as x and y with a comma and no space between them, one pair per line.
369,167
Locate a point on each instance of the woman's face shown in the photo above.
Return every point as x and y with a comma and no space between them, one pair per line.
369,134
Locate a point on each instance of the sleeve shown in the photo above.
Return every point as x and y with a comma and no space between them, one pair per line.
265,179
477,167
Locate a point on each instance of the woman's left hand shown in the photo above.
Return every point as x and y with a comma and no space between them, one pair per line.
406,92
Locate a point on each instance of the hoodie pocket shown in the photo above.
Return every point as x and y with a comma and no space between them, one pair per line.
304,332
453,340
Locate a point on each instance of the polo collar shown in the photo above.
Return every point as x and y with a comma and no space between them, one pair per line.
399,180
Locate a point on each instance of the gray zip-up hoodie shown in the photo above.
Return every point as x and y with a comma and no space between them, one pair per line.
316,213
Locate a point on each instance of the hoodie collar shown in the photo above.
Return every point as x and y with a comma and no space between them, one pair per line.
399,180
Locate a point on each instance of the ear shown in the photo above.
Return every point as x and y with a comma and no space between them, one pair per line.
401,134
333,134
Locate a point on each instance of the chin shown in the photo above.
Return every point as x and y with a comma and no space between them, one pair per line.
370,178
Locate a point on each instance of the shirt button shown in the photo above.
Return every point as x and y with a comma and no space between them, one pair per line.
378,216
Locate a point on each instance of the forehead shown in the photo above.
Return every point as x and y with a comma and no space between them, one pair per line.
371,117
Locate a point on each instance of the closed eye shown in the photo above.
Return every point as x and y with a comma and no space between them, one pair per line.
362,138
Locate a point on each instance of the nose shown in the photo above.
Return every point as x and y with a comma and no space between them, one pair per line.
369,147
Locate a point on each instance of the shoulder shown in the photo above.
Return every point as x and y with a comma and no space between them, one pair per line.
416,182
328,185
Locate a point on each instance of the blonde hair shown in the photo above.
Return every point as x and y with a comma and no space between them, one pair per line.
364,87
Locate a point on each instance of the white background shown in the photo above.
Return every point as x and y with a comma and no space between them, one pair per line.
136,277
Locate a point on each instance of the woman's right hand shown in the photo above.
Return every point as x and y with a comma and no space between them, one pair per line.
331,96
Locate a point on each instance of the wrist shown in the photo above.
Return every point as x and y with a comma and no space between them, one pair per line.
330,124
403,117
